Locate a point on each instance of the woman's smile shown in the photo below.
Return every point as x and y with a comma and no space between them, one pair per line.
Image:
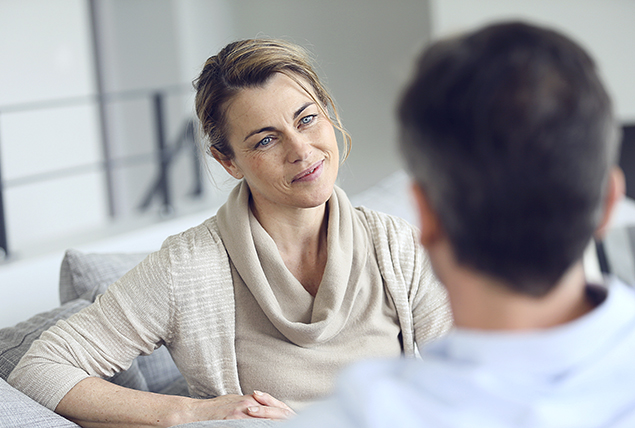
312,173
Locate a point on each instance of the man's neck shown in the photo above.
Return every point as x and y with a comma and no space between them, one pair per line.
480,302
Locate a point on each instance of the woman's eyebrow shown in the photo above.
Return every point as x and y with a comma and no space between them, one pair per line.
297,113
301,109
258,131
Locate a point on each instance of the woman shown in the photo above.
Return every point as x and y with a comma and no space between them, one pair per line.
287,284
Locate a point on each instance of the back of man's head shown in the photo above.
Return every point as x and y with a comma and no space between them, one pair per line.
511,135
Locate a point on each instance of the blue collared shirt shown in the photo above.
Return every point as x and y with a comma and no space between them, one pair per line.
581,374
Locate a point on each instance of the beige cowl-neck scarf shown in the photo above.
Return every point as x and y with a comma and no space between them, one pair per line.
302,319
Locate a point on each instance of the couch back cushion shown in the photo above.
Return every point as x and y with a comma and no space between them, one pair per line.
85,275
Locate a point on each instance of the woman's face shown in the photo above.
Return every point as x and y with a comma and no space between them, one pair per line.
284,146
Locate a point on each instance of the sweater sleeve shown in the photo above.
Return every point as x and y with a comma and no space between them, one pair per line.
429,301
131,318
422,302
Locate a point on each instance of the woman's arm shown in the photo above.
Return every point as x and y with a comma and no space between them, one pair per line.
100,340
95,402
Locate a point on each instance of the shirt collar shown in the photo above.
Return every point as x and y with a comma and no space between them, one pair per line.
544,351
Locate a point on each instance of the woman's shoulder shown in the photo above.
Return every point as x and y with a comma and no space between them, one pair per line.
201,243
388,226
396,242
194,265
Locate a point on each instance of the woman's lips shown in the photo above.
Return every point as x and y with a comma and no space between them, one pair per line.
311,173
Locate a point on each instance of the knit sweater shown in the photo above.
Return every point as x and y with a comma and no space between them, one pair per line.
183,297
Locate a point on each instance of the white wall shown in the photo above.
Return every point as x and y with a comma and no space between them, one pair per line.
45,47
46,55
605,28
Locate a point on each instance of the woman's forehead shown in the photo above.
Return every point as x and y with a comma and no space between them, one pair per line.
280,85
280,95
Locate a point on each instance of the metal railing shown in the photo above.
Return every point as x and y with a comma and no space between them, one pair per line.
164,154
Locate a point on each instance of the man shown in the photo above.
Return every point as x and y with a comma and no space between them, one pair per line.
512,143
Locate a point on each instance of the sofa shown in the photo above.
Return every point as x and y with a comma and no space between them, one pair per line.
83,276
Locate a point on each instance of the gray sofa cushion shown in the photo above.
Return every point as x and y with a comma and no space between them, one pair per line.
19,411
87,275
16,409
15,341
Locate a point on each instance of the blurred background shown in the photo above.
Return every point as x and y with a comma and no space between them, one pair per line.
97,129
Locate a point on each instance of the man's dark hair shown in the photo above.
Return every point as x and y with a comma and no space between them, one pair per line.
511,135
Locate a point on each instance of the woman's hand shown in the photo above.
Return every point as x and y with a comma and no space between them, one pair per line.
95,402
257,405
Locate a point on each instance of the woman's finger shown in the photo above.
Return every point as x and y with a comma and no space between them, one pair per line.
269,412
268,400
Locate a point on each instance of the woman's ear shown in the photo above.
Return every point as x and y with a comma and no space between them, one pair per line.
227,163
616,188
429,225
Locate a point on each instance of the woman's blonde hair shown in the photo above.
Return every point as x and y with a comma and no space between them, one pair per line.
251,63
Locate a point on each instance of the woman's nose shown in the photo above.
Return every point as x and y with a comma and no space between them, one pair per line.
300,148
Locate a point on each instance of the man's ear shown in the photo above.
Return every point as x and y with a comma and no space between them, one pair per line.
429,225
227,163
616,187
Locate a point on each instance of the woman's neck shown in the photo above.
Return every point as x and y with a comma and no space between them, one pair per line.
300,235
289,226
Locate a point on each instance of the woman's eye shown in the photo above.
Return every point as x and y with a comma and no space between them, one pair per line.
307,119
264,142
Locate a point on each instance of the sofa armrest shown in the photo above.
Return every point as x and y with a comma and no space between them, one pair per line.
19,411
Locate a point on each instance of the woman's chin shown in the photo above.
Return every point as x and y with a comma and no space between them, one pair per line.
314,202
316,198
